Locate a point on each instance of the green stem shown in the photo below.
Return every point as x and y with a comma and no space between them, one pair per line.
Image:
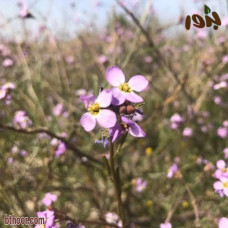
116,182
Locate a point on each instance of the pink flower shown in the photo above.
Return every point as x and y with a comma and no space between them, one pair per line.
148,59
223,222
217,100
225,21
221,171
70,59
57,110
127,125
221,186
97,112
187,132
102,59
113,218
220,85
125,90
225,59
7,62
49,219
222,132
172,170
165,225
226,153
140,184
49,199
21,119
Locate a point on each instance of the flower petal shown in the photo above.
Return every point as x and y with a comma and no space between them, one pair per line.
218,185
104,98
106,118
223,222
115,76
118,97
133,97
138,83
221,164
87,100
116,131
136,131
88,122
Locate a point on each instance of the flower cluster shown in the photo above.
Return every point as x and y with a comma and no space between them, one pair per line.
115,108
221,173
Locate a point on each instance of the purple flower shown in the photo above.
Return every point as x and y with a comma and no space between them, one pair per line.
140,184
23,153
70,59
226,153
221,171
2,93
113,218
57,110
166,225
225,59
172,170
222,132
217,100
49,219
187,132
125,90
221,186
7,62
21,119
61,149
96,112
176,121
102,59
49,199
220,85
223,222
127,125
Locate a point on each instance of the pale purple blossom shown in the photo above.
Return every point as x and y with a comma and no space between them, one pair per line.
126,125
222,132
102,59
172,170
225,59
140,185
49,199
7,62
97,112
70,59
223,222
217,100
125,91
226,153
57,110
147,59
61,149
49,219
23,153
221,170
176,121
222,84
113,218
225,123
221,186
165,225
21,119
187,132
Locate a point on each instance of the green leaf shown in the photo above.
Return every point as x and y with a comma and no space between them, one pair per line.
207,10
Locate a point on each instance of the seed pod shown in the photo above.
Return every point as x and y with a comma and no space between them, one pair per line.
130,109
122,109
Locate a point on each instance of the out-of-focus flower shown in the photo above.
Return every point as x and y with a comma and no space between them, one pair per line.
226,153
225,123
57,110
61,149
70,59
201,34
222,132
102,59
223,222
187,132
49,199
127,125
221,171
147,59
221,186
225,59
23,153
125,90
21,119
140,185
2,93
97,112
220,85
217,100
113,218
7,62
10,160
71,225
165,225
172,170
176,121
49,219
149,151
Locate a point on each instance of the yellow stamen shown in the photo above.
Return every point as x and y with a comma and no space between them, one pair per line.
125,88
94,109
225,185
224,170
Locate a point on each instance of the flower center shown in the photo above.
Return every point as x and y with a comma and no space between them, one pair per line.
94,109
224,170
225,185
125,88
124,125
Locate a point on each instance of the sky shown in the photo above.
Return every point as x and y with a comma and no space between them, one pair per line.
61,18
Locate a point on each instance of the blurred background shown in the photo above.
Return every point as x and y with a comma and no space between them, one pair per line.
53,51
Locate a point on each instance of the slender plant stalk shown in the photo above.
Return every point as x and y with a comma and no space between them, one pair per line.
116,182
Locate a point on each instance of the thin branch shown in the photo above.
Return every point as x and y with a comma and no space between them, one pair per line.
68,144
